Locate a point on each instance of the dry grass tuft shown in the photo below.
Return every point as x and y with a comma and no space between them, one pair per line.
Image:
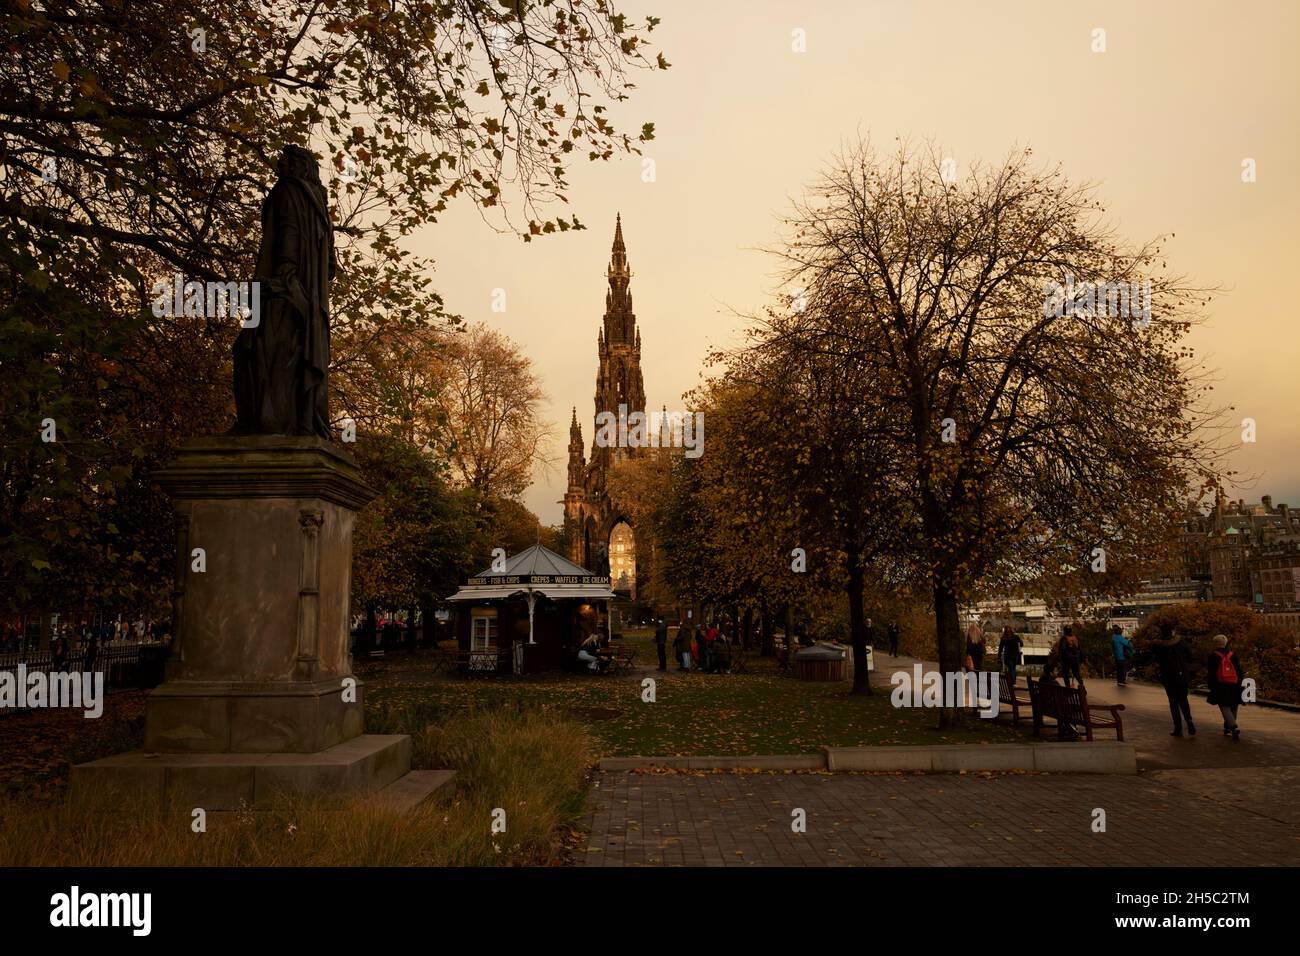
532,765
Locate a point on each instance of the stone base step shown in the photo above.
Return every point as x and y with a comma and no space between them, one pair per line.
233,781
415,789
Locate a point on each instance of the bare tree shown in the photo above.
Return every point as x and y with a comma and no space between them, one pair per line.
1037,408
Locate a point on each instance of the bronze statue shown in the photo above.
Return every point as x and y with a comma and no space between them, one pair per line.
281,363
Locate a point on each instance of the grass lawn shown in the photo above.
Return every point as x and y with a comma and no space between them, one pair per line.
704,714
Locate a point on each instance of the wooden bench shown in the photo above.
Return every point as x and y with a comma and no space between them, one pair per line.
1069,706
1013,697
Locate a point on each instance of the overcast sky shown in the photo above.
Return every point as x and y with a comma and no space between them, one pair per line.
1162,121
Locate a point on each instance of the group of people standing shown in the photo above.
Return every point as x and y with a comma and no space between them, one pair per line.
706,648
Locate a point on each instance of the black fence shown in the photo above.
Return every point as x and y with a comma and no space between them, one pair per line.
125,664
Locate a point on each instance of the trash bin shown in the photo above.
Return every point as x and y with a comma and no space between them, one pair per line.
819,663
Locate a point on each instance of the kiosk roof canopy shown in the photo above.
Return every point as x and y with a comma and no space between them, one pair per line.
536,560
538,570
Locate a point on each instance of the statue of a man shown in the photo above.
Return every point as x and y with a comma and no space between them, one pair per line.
282,362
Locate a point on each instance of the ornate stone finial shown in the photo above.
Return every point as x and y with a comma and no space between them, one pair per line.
618,256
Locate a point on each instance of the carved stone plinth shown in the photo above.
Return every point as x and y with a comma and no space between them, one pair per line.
259,689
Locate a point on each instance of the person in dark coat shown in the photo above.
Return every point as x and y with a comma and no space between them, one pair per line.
894,632
91,653
1009,654
59,652
1071,657
1064,729
661,643
1172,656
1224,675
682,646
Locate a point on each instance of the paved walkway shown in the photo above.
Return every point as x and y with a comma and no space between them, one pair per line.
1270,737
1202,801
735,819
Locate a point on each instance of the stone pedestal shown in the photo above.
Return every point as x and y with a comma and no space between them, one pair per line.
259,697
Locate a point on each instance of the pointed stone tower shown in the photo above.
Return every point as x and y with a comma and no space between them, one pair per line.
618,377
593,520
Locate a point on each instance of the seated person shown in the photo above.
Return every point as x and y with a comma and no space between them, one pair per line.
588,652
1064,729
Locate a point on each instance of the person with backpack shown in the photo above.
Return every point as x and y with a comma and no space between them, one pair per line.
1122,648
1172,657
1071,657
1223,674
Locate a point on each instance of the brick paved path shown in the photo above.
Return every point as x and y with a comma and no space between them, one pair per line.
1202,801
725,819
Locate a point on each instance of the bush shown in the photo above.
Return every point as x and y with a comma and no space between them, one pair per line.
1098,652
1267,653
531,765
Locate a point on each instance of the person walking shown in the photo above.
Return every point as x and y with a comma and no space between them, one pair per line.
661,643
1223,674
1172,657
90,653
1009,653
893,631
1122,648
975,646
1071,657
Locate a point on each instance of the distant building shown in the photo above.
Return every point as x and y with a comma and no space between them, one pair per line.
1243,541
1237,553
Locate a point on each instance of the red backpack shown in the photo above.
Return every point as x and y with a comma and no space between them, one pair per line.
1227,673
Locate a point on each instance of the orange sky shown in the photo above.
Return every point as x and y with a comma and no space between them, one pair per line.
1162,121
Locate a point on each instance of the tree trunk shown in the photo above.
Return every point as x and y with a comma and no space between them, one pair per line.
428,624
948,640
858,627
747,628
768,641
369,627
410,629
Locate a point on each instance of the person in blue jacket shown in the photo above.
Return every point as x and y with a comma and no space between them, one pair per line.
1123,649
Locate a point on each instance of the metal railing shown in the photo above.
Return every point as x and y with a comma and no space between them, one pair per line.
124,664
